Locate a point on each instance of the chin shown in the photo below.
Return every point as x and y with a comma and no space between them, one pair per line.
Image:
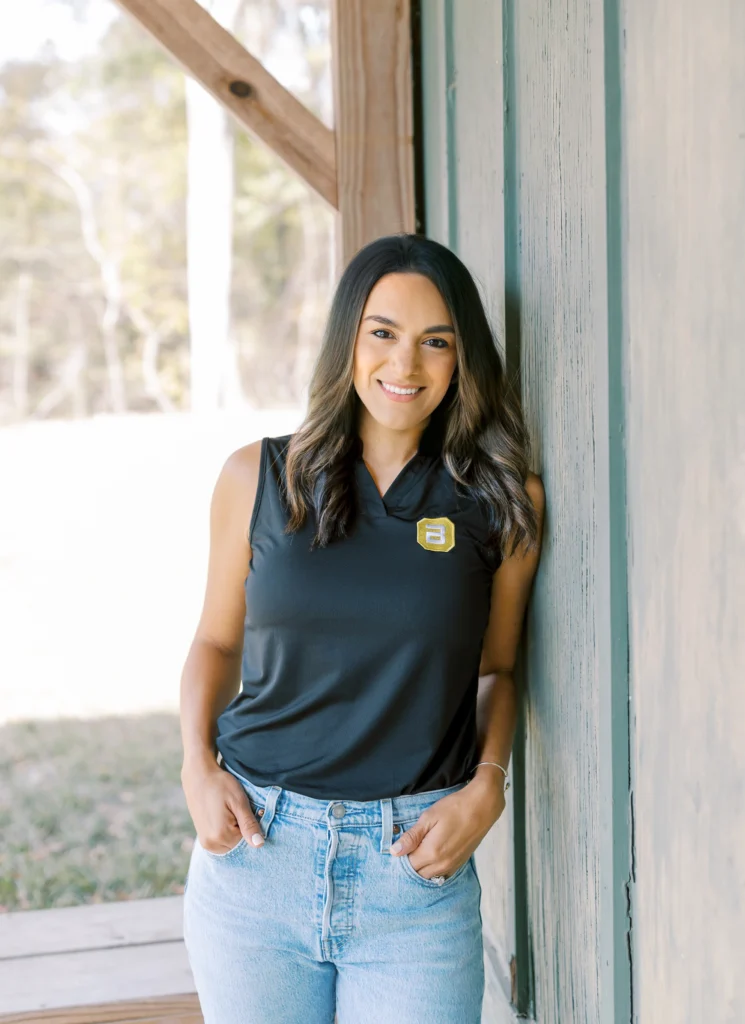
398,418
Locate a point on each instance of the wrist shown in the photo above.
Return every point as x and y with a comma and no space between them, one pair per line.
487,793
494,772
198,760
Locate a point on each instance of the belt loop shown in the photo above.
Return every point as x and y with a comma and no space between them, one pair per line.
270,806
386,839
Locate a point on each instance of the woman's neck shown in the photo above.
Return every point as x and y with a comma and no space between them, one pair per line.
387,451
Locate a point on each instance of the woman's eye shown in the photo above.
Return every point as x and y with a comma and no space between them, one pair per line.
437,342
380,330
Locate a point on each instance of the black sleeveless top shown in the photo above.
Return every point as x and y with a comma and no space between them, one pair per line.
360,660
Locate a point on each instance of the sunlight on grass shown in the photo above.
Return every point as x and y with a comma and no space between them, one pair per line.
91,811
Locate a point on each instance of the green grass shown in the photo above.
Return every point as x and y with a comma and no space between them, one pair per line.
91,810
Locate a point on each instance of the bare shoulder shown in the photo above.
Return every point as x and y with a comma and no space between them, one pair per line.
536,492
244,463
527,554
237,484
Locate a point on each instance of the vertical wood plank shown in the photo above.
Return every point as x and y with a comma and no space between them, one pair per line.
557,273
477,147
373,117
462,89
684,97
435,148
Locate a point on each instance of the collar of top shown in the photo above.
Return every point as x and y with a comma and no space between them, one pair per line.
421,487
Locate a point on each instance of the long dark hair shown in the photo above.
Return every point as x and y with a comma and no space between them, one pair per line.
485,444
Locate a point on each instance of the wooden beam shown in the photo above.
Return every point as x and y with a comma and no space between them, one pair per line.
372,76
237,80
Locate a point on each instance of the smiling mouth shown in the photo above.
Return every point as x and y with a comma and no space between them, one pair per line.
394,389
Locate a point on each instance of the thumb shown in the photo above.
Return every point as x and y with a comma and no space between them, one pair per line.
247,823
410,839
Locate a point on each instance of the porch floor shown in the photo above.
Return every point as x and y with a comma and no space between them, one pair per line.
108,962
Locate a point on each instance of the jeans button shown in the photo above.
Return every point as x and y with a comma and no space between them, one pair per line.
338,810
396,828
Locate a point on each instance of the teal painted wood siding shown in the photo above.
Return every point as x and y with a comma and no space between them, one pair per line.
516,151
586,159
684,271
463,138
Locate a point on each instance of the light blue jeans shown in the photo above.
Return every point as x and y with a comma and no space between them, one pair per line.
322,919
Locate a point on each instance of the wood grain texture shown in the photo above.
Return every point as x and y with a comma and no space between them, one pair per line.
462,93
475,95
215,59
168,1010
93,926
557,152
373,120
88,977
684,94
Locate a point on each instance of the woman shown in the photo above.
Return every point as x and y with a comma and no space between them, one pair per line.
363,573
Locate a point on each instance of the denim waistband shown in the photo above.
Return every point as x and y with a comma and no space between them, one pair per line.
384,811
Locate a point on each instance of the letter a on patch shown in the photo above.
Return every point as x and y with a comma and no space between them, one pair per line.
436,534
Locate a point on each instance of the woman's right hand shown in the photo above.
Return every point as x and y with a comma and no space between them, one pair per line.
219,807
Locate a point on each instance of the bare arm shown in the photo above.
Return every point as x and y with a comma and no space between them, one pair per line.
497,701
211,673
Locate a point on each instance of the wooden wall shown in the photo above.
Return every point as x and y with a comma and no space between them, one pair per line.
586,159
463,165
515,161
684,267
557,297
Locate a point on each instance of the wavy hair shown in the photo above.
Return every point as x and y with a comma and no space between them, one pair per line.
484,442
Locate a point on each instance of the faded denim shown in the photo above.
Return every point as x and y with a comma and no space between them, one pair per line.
321,919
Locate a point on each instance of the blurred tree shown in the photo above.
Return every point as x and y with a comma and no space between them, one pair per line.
94,290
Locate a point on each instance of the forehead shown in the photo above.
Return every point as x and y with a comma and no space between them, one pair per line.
407,299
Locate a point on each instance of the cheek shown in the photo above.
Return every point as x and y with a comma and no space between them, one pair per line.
441,372
364,362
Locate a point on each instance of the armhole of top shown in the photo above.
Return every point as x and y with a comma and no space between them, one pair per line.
259,489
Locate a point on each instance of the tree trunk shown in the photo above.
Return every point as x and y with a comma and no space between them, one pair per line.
209,227
21,345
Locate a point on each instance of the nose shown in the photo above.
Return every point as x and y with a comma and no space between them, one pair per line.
404,360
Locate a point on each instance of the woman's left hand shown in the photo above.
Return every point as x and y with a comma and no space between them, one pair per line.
448,832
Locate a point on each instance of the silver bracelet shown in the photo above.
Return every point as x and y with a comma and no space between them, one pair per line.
503,770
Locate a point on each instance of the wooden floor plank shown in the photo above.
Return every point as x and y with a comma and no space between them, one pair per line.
87,977
93,926
166,1010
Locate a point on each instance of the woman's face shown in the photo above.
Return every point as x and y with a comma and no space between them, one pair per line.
405,343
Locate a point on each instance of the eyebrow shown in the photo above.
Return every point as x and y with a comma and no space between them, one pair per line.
392,323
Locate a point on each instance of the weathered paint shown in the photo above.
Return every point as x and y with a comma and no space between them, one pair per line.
684,266
557,108
523,201
624,312
462,117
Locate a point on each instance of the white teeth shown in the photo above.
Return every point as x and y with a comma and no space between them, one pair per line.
399,391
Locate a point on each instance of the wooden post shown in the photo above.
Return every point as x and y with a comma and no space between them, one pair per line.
365,167
373,121
222,65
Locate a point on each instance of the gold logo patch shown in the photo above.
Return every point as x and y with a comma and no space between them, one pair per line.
436,534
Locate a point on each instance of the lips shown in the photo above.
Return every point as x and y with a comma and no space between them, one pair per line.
399,393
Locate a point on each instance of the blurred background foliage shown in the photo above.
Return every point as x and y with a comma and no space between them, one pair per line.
112,278
94,313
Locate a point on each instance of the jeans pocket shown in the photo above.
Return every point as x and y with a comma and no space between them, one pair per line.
228,853
429,882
